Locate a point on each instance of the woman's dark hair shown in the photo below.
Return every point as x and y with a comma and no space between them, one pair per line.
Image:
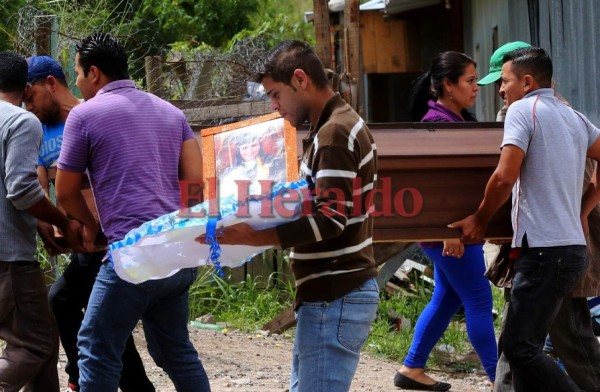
288,56
430,85
531,61
104,51
13,72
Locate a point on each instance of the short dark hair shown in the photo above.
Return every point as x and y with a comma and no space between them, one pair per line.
532,61
106,52
288,56
13,72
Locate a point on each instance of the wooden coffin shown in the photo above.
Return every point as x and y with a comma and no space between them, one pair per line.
432,174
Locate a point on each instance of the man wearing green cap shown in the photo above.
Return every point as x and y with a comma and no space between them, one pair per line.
496,66
574,339
503,375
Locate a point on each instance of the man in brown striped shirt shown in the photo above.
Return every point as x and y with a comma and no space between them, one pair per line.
332,253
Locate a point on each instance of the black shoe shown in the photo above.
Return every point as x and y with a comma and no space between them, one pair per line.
404,382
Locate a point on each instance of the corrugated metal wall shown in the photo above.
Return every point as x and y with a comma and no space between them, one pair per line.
568,29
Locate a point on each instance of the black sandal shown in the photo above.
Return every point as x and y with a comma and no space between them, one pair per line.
404,382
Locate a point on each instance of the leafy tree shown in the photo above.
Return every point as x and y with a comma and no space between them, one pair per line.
8,22
272,31
212,22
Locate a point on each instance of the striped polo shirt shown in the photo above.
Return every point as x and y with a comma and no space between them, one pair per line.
332,245
130,143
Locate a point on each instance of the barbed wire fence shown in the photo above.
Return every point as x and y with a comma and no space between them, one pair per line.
212,86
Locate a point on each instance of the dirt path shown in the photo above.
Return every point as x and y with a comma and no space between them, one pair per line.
239,362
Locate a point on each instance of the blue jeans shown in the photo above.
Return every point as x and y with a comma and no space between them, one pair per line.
68,299
329,337
113,311
543,278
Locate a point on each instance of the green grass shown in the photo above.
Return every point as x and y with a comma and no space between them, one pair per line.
394,344
246,306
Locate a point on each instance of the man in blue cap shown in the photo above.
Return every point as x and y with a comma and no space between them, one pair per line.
49,98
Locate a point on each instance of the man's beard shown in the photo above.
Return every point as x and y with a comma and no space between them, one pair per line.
50,116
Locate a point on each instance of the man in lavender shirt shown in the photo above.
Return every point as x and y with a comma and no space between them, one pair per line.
135,148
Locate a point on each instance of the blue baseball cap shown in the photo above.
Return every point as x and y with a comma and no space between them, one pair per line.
42,66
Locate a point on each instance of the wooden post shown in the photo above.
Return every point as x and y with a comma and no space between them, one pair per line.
46,35
323,33
69,69
154,79
178,65
203,87
46,44
352,52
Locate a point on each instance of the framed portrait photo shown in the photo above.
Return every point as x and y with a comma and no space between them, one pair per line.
249,157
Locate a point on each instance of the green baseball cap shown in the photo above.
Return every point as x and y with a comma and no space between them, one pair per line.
496,61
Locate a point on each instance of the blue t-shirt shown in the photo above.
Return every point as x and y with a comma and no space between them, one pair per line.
51,144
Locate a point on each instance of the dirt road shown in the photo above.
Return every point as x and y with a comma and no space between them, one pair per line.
239,362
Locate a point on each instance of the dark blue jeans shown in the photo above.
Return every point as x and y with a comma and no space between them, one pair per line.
543,278
68,298
114,308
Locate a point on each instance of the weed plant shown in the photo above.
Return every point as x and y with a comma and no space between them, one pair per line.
53,266
388,341
246,306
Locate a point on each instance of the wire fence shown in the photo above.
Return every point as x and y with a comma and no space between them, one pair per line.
211,86
208,84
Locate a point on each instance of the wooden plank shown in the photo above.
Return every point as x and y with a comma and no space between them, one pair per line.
385,44
260,265
368,41
284,321
208,114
